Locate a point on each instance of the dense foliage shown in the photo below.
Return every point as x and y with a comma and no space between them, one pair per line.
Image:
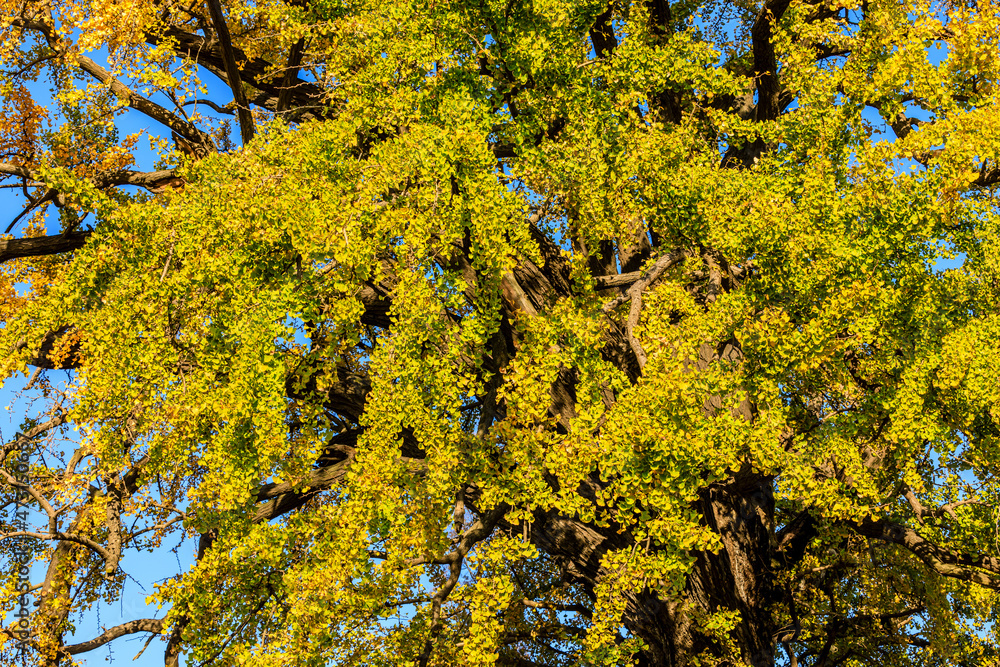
508,332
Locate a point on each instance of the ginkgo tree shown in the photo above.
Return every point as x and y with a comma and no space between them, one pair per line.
506,333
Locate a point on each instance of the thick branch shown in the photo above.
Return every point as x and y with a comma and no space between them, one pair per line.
303,96
154,181
15,170
946,562
232,71
764,63
44,357
602,34
22,439
41,246
202,142
515,296
989,174
476,533
113,523
283,498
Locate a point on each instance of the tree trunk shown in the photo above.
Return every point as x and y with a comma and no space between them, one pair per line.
737,578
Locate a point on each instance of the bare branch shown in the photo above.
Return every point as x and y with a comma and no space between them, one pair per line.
153,625
32,205
41,245
62,537
226,110
22,438
514,295
232,71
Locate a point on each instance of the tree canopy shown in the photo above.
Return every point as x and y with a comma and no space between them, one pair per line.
504,332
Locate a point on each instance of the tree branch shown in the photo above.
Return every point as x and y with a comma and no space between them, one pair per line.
232,71
946,562
15,170
303,96
41,245
22,438
923,512
153,625
476,533
283,498
634,295
291,74
203,143
62,537
764,63
553,606
154,181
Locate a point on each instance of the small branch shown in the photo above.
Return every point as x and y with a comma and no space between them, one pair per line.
37,61
22,440
209,103
33,492
554,606
145,106
32,205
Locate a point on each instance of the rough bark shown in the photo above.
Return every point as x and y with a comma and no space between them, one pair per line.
41,245
737,578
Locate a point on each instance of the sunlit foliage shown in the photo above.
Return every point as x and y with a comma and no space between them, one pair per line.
513,333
